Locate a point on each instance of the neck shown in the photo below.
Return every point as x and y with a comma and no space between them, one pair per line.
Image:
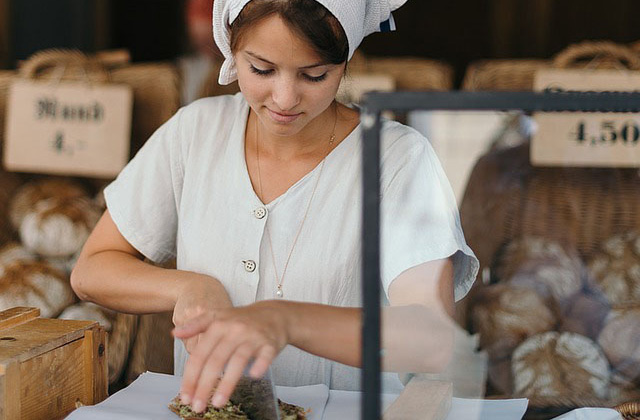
311,140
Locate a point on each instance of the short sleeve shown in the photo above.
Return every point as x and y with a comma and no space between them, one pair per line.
419,217
144,199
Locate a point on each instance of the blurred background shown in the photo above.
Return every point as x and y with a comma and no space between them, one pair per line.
559,246
458,31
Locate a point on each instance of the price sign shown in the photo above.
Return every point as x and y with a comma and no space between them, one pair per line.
587,139
68,128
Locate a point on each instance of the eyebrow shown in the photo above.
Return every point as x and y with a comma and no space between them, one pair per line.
256,56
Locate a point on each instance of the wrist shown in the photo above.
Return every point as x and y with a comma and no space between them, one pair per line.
284,314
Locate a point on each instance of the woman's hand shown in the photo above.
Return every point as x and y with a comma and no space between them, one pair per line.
229,340
198,295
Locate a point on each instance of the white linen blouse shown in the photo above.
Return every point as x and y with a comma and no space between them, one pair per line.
187,194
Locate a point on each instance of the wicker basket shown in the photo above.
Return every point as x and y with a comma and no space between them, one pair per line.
519,74
597,54
409,73
121,338
9,181
503,75
152,349
629,410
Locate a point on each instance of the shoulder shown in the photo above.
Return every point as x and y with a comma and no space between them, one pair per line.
222,106
401,142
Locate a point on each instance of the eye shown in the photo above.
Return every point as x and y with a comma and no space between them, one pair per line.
315,78
260,72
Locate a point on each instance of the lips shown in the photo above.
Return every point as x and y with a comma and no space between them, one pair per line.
283,118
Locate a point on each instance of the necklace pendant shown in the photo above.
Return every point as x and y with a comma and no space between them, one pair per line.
279,293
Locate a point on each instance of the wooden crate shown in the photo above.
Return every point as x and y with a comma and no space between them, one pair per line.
48,366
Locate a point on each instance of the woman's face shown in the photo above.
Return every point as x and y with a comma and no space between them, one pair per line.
283,78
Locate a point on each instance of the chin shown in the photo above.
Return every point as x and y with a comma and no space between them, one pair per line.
284,128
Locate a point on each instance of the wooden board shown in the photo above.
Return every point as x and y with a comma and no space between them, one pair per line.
10,391
39,336
52,382
96,366
16,316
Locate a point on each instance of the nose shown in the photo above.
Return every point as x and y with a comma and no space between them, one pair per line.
285,94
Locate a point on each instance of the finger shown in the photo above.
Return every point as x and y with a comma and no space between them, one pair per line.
189,345
192,343
194,326
196,361
232,374
263,361
210,374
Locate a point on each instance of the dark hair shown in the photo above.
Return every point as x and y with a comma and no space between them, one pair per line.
308,18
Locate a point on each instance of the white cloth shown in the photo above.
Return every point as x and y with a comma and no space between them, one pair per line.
358,18
187,193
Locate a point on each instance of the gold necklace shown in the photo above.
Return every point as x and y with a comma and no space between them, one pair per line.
279,280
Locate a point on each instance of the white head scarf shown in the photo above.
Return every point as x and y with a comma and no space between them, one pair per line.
358,18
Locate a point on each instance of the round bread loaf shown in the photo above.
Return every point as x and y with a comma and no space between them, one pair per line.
620,341
87,311
29,194
615,269
26,281
560,365
58,227
585,315
505,315
554,270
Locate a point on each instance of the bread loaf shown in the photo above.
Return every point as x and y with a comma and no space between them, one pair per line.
505,315
560,365
615,269
26,281
585,315
58,227
620,341
554,270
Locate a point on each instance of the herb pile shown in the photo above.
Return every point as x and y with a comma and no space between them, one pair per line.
233,411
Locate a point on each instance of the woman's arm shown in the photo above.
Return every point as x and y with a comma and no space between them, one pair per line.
110,272
417,334
416,329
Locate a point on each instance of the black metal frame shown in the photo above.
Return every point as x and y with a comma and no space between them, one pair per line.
372,106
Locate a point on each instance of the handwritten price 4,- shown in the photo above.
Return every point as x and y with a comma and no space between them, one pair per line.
62,145
609,133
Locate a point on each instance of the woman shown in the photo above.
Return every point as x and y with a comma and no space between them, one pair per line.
258,197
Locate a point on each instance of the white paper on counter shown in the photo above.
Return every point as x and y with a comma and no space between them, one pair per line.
591,414
148,396
470,409
345,405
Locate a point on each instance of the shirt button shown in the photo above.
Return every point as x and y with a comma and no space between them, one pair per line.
260,212
249,265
